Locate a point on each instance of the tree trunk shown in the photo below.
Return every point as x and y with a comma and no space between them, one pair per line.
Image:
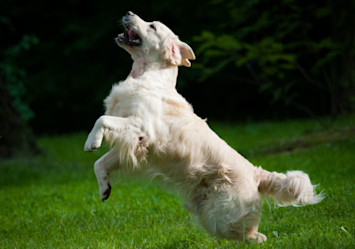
15,137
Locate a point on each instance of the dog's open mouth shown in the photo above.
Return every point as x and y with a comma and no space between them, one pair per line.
129,37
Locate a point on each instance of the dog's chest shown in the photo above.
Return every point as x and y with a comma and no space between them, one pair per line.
131,101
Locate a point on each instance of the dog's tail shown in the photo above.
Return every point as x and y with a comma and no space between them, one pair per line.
292,188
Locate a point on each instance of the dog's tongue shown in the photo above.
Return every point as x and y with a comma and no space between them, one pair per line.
132,35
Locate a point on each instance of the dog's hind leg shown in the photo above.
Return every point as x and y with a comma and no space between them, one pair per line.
246,228
252,229
103,167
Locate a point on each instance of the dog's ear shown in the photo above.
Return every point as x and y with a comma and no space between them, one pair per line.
178,52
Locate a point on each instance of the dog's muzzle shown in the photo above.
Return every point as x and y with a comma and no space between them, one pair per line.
129,37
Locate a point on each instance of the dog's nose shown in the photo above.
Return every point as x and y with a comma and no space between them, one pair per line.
129,13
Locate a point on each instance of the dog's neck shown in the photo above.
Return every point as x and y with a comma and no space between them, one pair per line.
167,73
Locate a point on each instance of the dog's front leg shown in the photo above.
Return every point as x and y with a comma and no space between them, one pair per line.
103,167
106,124
118,127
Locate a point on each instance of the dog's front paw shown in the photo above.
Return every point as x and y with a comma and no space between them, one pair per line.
93,142
105,194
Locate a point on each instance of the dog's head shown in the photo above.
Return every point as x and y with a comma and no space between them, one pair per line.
153,42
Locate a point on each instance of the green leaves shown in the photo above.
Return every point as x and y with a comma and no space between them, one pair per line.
14,75
26,42
213,45
289,49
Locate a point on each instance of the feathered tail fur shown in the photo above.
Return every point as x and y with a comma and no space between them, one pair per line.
293,188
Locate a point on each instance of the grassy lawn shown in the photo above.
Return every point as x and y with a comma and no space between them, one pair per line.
52,201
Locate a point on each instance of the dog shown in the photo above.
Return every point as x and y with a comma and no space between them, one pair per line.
154,131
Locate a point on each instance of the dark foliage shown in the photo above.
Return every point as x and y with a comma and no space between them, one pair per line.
255,59
16,138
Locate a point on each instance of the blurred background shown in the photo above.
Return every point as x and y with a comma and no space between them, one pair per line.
256,60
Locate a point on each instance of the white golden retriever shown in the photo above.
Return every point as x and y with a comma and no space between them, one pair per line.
154,130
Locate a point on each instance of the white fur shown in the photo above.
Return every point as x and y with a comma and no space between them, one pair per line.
154,130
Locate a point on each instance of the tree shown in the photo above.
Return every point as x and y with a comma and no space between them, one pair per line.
15,137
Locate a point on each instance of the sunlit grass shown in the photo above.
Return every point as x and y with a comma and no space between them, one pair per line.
52,201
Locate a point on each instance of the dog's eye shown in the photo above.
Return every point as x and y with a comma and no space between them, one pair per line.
153,27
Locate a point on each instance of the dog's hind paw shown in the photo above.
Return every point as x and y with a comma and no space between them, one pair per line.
257,237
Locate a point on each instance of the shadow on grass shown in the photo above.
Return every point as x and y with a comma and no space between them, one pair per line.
304,142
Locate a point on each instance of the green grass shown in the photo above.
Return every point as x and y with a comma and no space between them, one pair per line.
52,201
